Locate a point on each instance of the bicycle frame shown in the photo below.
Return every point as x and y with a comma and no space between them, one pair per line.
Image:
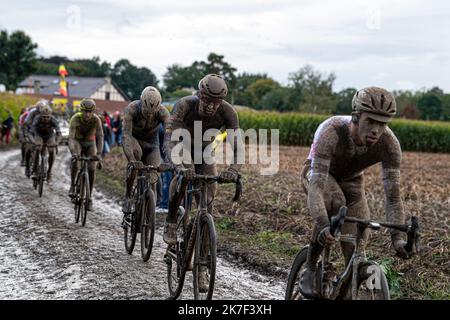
358,256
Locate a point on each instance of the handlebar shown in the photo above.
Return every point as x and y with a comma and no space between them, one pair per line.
411,230
218,179
85,158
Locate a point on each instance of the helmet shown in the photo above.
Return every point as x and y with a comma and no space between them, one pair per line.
379,103
87,105
41,103
213,86
46,111
150,99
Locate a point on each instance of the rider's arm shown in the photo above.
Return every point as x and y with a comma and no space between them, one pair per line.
32,131
174,122
323,149
73,127
28,122
127,132
99,136
56,126
164,117
391,180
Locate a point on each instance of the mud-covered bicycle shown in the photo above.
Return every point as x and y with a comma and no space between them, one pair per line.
196,235
361,279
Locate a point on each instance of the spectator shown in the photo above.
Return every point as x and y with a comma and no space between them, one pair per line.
6,128
107,119
106,135
116,125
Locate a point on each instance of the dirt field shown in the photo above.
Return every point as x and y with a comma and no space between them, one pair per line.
271,222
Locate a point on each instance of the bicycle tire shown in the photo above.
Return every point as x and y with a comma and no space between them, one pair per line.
86,199
148,226
292,287
205,243
41,176
377,288
77,199
175,258
129,232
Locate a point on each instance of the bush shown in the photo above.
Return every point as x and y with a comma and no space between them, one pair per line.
298,129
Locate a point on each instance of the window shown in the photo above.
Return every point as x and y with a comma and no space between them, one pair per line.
107,95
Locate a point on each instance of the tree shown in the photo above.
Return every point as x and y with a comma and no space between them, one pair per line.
17,57
178,77
216,64
89,67
430,105
259,89
344,101
243,81
132,79
314,89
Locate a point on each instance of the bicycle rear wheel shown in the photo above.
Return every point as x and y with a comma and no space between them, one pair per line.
292,288
147,225
205,259
371,282
175,257
87,193
129,231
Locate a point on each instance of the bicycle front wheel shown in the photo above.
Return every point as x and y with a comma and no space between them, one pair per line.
129,231
292,288
175,257
371,282
205,259
87,196
42,173
147,226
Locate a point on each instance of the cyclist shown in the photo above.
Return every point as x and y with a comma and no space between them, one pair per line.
43,131
85,138
209,107
36,110
140,137
23,143
332,175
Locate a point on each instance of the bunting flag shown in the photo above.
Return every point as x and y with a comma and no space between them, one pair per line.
63,87
62,71
62,82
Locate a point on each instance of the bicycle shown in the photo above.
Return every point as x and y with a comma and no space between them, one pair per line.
82,190
142,216
195,237
41,170
361,279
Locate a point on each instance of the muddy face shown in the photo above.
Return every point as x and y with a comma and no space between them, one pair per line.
208,107
369,130
87,115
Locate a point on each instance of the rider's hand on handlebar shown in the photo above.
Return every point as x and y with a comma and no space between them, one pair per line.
188,173
137,164
325,238
229,175
97,157
399,246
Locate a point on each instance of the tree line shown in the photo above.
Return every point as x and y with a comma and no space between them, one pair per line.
308,90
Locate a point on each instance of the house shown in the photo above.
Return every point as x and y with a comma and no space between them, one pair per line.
107,95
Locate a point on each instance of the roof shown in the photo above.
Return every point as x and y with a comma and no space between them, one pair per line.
78,86
102,105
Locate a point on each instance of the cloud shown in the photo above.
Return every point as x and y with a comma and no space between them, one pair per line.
393,43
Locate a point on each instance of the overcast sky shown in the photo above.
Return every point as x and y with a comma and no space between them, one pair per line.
397,44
